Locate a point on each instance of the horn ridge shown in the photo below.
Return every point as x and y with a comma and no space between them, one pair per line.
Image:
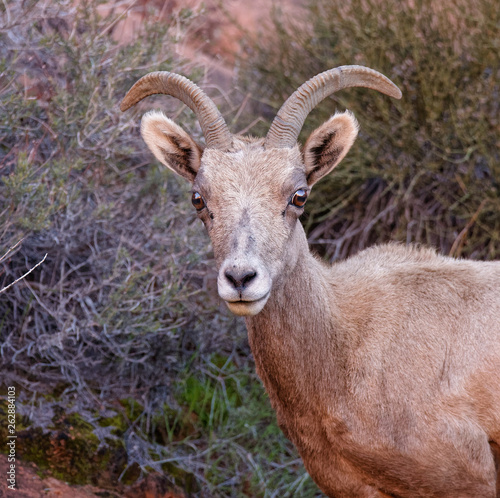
286,126
213,125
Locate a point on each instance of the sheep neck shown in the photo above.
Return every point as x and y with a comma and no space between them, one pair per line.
292,336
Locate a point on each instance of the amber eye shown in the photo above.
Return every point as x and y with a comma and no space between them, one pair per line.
299,198
197,201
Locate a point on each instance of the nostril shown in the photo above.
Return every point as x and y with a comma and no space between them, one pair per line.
239,279
250,275
230,277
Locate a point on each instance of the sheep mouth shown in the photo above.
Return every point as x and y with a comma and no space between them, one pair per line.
244,307
250,301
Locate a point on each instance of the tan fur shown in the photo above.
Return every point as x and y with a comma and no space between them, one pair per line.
328,145
171,145
384,369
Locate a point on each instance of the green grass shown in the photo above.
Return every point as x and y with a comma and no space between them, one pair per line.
226,404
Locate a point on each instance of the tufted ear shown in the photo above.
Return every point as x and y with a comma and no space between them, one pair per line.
171,145
328,144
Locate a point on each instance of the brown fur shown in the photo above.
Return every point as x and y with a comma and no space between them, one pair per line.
384,369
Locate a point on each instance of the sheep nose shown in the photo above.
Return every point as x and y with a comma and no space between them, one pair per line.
240,278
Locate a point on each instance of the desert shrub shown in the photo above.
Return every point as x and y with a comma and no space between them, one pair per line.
424,169
123,361
76,185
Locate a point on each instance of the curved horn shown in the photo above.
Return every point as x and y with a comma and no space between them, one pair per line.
215,130
287,124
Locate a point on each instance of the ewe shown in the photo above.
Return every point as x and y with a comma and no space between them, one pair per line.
384,370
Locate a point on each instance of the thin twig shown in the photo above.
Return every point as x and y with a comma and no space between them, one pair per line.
10,250
459,241
118,19
23,276
251,125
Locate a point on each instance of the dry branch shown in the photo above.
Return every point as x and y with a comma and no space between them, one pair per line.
4,289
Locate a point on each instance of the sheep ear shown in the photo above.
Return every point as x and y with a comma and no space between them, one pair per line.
171,145
328,144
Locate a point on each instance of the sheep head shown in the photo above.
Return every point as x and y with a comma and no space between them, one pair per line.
249,193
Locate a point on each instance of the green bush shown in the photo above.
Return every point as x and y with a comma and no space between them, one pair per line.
75,184
424,169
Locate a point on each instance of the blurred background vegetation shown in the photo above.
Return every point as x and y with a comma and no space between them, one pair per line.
424,169
125,362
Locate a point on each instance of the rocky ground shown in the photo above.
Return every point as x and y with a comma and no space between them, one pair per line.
31,485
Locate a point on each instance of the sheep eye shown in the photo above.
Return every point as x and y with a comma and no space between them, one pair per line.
299,198
197,201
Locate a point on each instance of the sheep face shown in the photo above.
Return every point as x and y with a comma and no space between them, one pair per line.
250,199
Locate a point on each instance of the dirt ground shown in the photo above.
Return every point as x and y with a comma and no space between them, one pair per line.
30,485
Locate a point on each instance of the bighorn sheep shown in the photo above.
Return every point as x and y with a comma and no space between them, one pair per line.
384,369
